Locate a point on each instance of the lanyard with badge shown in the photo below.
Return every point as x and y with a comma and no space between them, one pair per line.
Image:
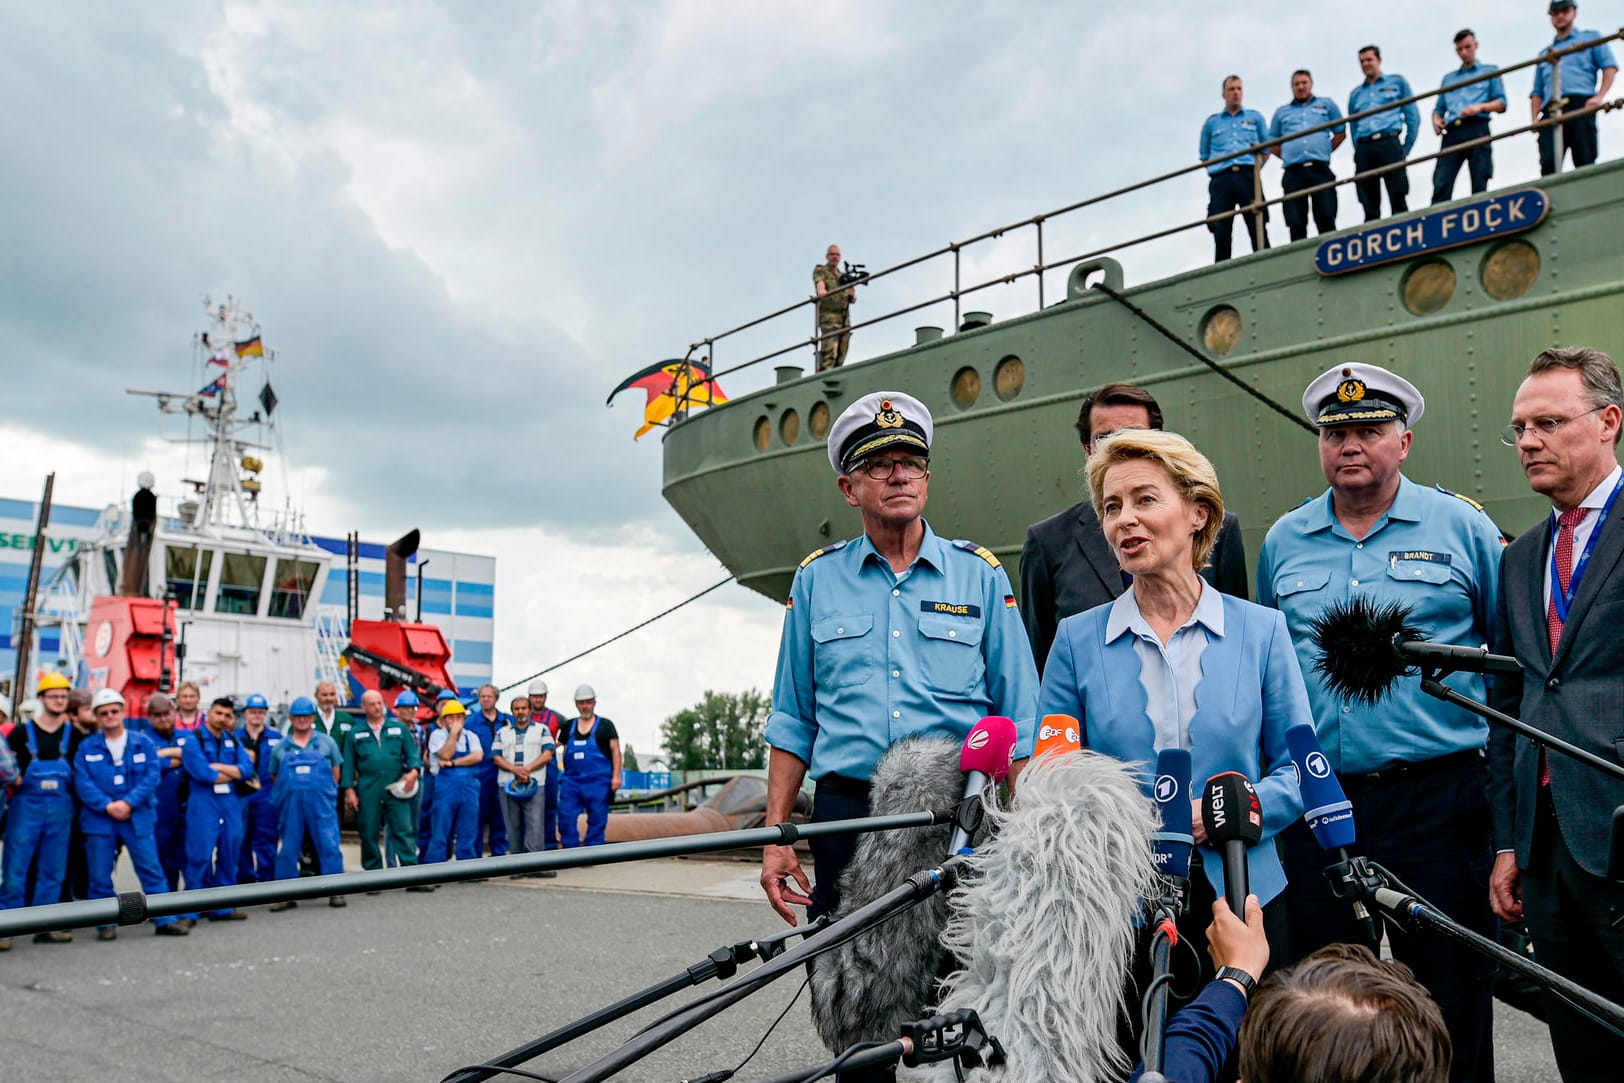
1560,599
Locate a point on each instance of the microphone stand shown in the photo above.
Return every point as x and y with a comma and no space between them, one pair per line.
917,888
1361,879
957,1036
134,907
1164,915
722,964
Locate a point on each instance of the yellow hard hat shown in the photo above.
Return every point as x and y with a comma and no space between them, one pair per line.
52,681
451,707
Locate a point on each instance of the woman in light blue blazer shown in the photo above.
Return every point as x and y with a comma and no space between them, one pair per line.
1174,663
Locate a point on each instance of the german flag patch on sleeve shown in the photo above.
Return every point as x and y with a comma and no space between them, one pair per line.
1009,601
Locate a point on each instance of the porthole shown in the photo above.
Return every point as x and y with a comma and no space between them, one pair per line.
763,433
966,387
1009,377
1428,287
1221,330
789,426
817,419
1510,270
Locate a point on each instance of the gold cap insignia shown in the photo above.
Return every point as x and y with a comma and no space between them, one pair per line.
888,417
1350,391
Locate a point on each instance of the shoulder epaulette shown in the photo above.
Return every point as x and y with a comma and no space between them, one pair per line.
979,550
1459,496
827,549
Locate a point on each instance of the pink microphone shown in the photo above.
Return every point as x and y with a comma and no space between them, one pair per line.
984,759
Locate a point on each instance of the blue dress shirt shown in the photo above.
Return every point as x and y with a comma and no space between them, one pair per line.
1432,551
869,656
1371,95
1450,103
1249,693
1225,133
1579,71
1294,116
1169,672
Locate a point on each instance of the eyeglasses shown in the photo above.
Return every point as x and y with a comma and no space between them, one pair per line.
913,467
1546,425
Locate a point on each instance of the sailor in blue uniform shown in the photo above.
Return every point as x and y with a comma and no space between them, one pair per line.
1382,138
1307,159
257,863
304,769
896,632
116,777
1461,116
169,824
40,820
1413,766
591,772
214,760
1569,85
1230,182
454,756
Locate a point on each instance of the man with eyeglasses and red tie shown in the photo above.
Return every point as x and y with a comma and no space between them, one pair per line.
1561,598
891,633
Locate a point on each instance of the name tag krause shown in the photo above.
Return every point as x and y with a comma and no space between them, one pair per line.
952,609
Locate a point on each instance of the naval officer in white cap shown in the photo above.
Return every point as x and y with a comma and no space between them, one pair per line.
891,633
1413,766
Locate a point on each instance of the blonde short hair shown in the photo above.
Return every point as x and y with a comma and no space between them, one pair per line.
1190,470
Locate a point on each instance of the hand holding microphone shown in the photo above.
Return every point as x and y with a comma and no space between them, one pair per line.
1234,943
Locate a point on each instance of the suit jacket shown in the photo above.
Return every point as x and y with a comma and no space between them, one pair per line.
1251,692
1067,567
1575,696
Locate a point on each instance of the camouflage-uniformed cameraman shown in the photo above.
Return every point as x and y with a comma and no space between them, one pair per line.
834,311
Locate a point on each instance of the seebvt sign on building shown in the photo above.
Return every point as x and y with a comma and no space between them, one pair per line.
1493,216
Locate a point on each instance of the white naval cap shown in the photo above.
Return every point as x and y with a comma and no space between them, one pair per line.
585,692
1356,392
875,422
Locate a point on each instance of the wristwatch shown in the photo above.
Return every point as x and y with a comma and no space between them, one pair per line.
1248,983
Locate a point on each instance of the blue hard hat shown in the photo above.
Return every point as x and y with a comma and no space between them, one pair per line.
407,698
256,700
302,706
521,791
445,694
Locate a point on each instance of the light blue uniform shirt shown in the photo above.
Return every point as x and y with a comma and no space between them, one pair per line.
1225,133
1294,116
1388,88
1449,104
869,657
1579,71
1432,551
1169,673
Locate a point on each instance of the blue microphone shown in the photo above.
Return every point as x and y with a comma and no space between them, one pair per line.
1176,837
1326,809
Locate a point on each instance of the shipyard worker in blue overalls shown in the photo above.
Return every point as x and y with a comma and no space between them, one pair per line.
1413,766
169,825
214,761
454,756
591,772
40,819
555,724
1568,86
1461,116
304,770
1307,160
483,724
1229,175
1383,138
115,774
895,632
258,861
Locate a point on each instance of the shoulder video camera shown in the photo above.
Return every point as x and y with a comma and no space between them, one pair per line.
854,274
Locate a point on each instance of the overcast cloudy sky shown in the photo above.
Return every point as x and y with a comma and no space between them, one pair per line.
462,223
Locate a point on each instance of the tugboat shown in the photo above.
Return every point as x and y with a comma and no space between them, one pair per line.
216,590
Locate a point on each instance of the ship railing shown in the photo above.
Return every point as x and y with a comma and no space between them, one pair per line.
59,608
332,636
688,392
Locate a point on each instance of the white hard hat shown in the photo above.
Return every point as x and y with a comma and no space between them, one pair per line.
404,792
537,688
585,692
104,697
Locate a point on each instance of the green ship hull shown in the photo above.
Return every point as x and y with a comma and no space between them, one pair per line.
752,477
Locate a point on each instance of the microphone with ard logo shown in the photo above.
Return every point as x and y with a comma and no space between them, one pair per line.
1234,820
984,759
1326,809
1173,842
1058,734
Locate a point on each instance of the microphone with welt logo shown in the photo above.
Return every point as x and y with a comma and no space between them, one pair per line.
984,759
1234,820
1326,809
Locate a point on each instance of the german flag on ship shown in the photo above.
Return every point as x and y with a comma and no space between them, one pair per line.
670,385
249,347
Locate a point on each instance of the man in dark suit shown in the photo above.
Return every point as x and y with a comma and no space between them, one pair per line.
1066,566
1561,605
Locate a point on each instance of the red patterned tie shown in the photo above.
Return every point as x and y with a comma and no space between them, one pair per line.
1564,575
